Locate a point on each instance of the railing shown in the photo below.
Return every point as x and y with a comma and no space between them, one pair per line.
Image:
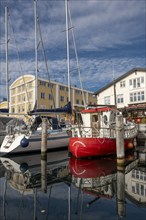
89,132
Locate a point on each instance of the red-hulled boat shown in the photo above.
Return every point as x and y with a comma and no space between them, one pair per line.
96,136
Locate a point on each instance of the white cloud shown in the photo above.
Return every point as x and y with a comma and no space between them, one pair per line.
99,26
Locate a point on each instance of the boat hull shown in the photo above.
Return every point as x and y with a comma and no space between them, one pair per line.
54,141
90,147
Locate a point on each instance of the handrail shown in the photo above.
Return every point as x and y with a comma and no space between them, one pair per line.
81,131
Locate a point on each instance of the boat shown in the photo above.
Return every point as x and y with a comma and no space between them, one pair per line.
95,135
24,139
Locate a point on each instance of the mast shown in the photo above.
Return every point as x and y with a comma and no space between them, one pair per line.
67,44
6,46
36,55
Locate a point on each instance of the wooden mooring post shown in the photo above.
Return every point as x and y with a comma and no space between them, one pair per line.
44,156
44,137
120,140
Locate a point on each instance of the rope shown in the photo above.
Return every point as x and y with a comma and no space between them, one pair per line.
77,61
45,59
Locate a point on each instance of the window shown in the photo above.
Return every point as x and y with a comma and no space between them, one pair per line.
122,84
136,83
13,91
30,95
42,83
13,99
107,100
142,79
50,85
19,89
13,110
19,98
23,108
42,95
120,98
137,96
43,106
50,97
62,88
18,109
23,97
77,101
30,85
62,98
23,87
78,92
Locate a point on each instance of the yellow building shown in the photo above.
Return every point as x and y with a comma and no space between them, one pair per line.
3,105
49,94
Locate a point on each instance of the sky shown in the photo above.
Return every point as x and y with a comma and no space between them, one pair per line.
110,38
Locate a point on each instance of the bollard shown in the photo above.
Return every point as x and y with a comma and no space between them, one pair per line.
120,139
44,137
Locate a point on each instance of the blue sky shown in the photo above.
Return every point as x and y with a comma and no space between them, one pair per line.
110,39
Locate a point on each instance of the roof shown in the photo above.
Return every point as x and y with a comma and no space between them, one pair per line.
95,110
120,78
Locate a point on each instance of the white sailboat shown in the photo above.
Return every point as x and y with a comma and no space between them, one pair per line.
24,139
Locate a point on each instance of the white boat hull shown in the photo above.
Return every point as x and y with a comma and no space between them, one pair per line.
55,140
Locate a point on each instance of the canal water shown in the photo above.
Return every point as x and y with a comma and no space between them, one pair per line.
63,188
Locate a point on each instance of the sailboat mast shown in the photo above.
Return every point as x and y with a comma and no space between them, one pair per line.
36,55
67,44
6,47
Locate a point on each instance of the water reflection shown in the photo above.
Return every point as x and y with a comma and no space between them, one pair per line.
58,187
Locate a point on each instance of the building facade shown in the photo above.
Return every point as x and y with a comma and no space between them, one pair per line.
127,90
50,94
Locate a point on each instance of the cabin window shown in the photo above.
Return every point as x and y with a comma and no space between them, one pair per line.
105,119
94,118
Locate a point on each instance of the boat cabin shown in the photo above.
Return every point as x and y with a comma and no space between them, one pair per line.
99,117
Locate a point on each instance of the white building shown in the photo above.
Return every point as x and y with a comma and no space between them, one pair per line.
129,89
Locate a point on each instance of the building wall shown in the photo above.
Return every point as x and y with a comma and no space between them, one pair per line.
3,104
22,95
130,90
